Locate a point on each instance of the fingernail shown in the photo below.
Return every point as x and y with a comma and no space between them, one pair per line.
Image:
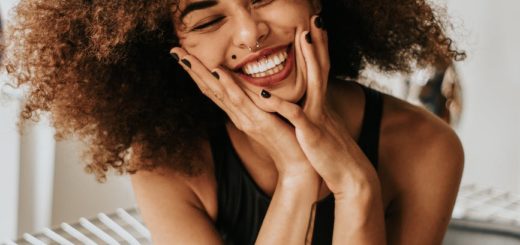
265,94
186,63
175,56
318,22
215,74
308,38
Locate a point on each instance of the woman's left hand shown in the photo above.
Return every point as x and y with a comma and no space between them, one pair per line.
331,150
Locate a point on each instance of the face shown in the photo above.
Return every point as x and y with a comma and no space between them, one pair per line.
224,33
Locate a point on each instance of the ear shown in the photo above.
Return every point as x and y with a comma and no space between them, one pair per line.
316,6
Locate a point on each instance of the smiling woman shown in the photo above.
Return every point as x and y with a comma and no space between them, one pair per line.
231,117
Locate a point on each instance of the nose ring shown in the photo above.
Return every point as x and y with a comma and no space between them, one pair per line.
256,46
249,48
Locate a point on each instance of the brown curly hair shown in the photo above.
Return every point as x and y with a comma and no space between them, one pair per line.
103,71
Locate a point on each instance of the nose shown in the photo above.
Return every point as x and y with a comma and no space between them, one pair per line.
251,31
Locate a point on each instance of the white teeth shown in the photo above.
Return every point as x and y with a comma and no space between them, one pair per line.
266,65
262,67
277,60
272,71
256,68
271,63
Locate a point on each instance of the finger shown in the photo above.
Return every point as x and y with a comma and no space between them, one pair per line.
238,99
320,39
193,66
267,104
300,62
206,84
290,111
219,82
306,132
224,88
315,95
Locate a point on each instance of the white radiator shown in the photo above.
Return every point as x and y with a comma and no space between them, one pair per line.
481,216
120,227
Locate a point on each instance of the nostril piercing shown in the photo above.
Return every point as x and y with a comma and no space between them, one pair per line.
233,57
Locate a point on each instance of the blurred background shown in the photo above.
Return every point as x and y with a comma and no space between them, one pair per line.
42,182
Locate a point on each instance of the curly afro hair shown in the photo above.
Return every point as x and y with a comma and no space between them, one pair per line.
102,70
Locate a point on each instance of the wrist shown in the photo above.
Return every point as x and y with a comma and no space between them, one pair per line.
299,181
297,171
360,206
359,192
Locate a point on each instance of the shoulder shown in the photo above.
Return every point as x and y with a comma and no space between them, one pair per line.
416,141
176,208
413,141
409,134
421,164
165,185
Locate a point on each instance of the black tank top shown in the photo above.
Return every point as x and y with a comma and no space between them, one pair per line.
242,205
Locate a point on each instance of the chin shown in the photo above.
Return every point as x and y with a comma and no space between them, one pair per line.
293,94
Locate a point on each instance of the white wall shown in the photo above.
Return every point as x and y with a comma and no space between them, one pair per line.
490,129
77,194
9,157
42,183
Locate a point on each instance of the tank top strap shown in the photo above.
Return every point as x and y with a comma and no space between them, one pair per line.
227,179
217,142
369,136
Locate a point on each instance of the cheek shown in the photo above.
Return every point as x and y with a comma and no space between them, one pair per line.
210,54
290,14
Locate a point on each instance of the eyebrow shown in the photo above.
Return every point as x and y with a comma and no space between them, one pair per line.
197,6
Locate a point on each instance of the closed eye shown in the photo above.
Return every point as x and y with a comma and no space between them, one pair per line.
255,3
260,2
208,24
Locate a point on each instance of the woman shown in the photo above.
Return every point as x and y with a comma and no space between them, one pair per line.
282,152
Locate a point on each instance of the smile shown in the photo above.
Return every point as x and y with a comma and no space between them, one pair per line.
266,66
270,69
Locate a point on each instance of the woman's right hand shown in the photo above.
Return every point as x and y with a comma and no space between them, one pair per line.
253,118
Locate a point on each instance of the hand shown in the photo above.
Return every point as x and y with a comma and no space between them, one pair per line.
267,129
331,150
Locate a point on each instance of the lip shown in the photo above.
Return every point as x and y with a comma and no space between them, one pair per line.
271,80
262,53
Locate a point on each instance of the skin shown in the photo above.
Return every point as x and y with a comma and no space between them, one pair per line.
316,153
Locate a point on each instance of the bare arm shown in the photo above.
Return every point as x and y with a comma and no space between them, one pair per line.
424,162
359,220
289,219
422,211
171,210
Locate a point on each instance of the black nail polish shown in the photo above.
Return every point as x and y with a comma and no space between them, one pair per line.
318,22
265,94
175,56
308,38
215,74
186,63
